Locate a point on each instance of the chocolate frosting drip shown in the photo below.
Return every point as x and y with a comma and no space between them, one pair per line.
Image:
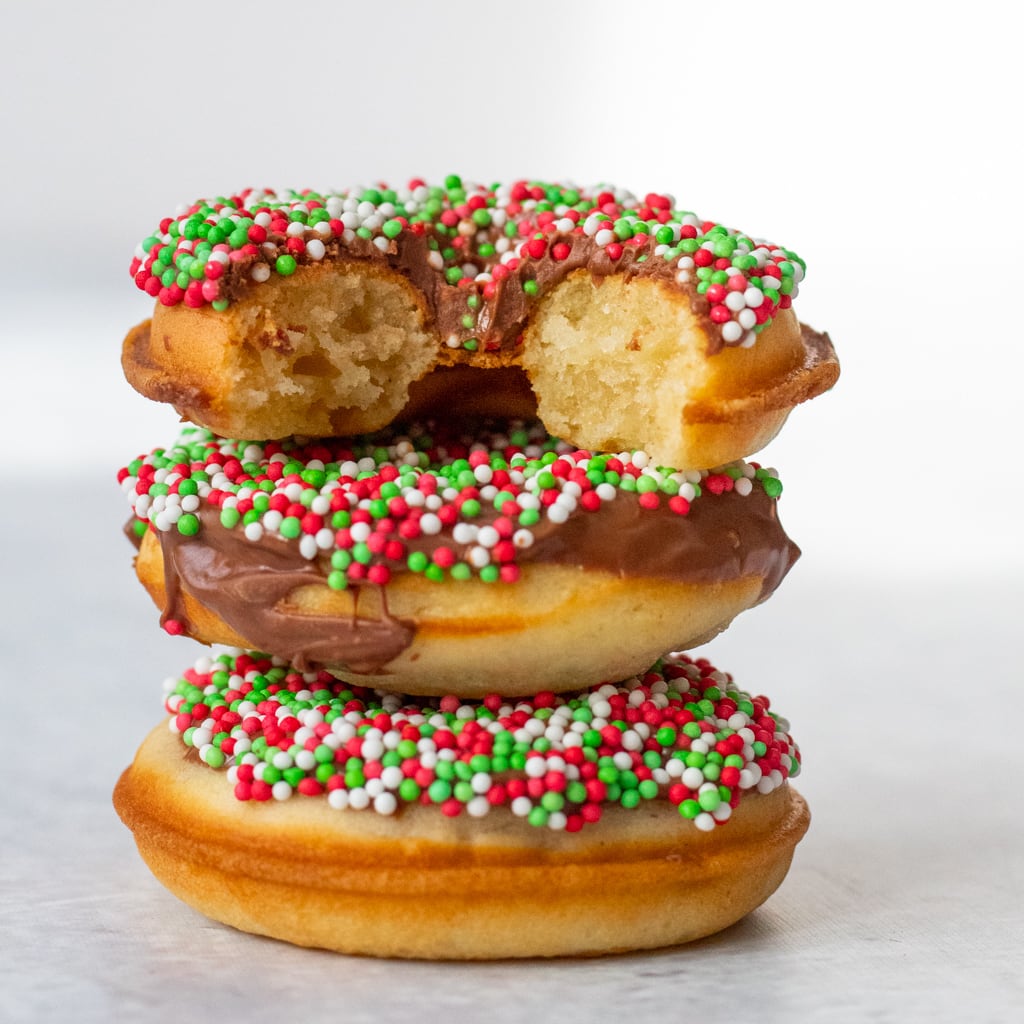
245,583
724,537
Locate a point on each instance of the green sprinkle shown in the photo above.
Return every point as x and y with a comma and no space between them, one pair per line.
188,525
689,809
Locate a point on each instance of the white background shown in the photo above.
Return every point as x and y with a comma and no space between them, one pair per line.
880,141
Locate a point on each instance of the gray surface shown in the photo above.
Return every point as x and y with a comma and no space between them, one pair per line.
904,901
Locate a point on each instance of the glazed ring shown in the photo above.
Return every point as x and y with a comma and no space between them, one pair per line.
334,314
645,814
436,562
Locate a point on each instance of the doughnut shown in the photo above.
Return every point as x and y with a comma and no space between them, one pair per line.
447,558
621,323
628,816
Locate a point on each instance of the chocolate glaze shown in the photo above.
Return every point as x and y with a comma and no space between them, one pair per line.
244,584
724,537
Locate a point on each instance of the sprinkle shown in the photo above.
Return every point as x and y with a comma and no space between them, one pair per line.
668,734
429,500
475,235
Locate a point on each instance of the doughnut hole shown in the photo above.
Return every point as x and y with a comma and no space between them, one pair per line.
325,353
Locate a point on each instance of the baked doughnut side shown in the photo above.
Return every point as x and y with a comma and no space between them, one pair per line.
557,627
424,888
441,860
411,556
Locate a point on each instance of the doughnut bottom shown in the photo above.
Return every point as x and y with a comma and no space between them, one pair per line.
420,885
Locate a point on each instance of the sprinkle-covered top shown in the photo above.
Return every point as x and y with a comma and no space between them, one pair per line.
681,732
450,506
477,239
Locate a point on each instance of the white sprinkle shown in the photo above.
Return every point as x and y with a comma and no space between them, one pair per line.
558,513
343,730
488,536
358,799
478,557
373,748
464,533
360,532
385,803
260,272
478,807
521,806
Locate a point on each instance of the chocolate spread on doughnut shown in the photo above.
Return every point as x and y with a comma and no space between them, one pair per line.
244,583
722,538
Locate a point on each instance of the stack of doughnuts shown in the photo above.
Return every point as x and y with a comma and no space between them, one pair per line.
464,470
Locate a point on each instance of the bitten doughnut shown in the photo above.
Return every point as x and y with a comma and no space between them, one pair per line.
622,323
647,813
433,561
